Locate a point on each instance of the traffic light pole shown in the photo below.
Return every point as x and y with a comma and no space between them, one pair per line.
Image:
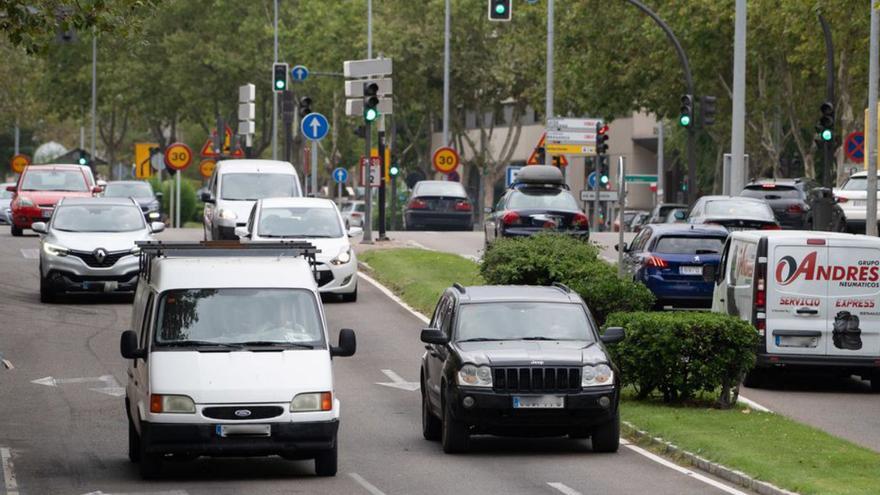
382,165
597,167
873,69
828,150
368,189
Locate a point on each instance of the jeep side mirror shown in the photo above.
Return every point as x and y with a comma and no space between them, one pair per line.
347,344
40,227
613,335
710,273
434,336
128,346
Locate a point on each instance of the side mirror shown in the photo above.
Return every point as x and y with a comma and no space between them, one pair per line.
434,336
128,346
206,197
613,335
355,231
159,195
97,189
242,232
40,227
621,247
101,183
347,344
710,273
157,227
11,188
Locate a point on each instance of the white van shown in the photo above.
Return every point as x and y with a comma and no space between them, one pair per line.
229,355
813,296
236,185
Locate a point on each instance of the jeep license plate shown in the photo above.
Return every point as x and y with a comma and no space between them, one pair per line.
539,402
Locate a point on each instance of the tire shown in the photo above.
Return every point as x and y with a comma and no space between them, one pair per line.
431,425
326,462
454,436
351,297
134,442
606,438
47,295
16,232
150,464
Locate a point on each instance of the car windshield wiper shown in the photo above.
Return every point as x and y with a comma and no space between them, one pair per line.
275,343
481,339
199,343
541,338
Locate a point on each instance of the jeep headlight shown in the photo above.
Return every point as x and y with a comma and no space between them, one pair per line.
475,376
343,258
594,376
55,250
311,402
227,214
175,404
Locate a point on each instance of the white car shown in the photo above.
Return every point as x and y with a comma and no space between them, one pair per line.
314,220
229,355
852,196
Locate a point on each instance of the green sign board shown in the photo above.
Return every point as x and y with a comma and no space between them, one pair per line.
640,178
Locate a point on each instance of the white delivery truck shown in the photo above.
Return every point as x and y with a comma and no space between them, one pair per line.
814,298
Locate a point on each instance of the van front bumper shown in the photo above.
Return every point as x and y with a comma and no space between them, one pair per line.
821,361
299,440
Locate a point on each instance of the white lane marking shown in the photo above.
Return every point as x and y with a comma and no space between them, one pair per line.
8,472
111,386
366,484
397,381
564,489
387,292
754,405
31,254
684,471
6,363
167,492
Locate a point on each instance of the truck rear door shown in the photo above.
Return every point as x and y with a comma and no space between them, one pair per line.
853,322
797,298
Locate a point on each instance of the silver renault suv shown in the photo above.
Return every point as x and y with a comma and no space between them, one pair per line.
89,246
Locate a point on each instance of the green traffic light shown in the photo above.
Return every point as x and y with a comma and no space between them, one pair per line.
371,114
603,179
684,120
394,170
83,161
827,135
500,8
279,84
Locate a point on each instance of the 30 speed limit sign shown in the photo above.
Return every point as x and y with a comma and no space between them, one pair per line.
445,160
178,156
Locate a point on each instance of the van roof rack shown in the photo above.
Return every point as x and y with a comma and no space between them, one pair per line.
151,250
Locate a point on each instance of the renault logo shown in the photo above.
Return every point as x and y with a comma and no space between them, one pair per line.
100,254
242,413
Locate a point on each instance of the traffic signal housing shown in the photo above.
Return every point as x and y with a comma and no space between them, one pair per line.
305,106
84,158
601,139
686,113
500,10
603,172
707,110
371,101
393,170
279,77
825,129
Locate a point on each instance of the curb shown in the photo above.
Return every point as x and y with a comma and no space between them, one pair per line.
671,450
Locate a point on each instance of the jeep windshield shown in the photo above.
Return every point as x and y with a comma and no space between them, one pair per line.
238,318
514,320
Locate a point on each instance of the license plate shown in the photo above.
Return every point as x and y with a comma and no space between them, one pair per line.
735,229
796,341
859,203
690,270
539,402
111,286
226,431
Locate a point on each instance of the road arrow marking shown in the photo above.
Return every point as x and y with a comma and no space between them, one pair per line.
6,363
111,386
398,382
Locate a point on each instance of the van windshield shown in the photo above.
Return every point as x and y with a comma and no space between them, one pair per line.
254,186
224,317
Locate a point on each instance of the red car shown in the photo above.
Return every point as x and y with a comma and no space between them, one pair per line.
40,187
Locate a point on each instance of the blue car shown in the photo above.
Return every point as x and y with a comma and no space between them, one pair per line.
669,259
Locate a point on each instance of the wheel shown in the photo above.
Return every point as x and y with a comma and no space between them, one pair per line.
350,297
431,425
134,442
326,461
454,436
16,232
47,295
150,464
606,437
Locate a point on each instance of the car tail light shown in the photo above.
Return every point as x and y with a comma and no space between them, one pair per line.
656,261
760,311
581,220
417,204
768,186
841,199
357,214
462,206
510,218
771,226
795,209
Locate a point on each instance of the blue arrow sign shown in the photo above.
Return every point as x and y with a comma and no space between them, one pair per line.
340,175
299,73
592,180
314,126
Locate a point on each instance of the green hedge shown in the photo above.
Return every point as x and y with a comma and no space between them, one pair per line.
547,258
190,210
681,354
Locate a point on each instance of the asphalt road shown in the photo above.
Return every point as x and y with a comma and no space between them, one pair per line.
842,406
68,436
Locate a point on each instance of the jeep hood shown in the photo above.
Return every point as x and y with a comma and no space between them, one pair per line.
532,353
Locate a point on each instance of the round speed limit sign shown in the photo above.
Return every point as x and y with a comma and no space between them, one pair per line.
19,162
445,160
178,156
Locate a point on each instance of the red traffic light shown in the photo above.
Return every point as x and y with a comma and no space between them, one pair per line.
603,129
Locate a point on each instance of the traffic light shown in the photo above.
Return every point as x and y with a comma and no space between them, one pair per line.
825,129
394,170
707,110
305,106
686,114
371,101
601,139
84,158
500,10
279,77
603,172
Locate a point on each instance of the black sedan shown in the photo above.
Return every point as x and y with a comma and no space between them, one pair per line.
733,213
790,201
438,204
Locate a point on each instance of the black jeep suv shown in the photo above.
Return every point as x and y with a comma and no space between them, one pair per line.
518,361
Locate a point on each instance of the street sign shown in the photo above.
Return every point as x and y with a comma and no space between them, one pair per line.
533,158
374,152
570,149
207,150
445,160
299,73
340,175
571,137
19,162
591,180
647,178
206,168
355,89
314,126
178,156
142,166
366,68
375,172
571,124
854,147
355,107
603,195
157,161
510,174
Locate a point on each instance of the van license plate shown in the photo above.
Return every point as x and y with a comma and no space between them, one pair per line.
226,431
539,402
690,270
796,341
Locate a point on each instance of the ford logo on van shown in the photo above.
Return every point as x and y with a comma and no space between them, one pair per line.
242,413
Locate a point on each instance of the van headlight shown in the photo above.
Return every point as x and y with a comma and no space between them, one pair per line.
343,258
475,376
594,376
55,250
227,214
312,402
173,404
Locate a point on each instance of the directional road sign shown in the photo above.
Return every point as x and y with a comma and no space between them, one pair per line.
640,178
314,126
142,165
340,175
367,68
571,124
591,180
157,161
19,162
299,73
571,137
854,147
603,195
511,172
570,149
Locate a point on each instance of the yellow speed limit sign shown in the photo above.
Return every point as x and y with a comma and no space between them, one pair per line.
445,160
19,162
178,156
206,168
